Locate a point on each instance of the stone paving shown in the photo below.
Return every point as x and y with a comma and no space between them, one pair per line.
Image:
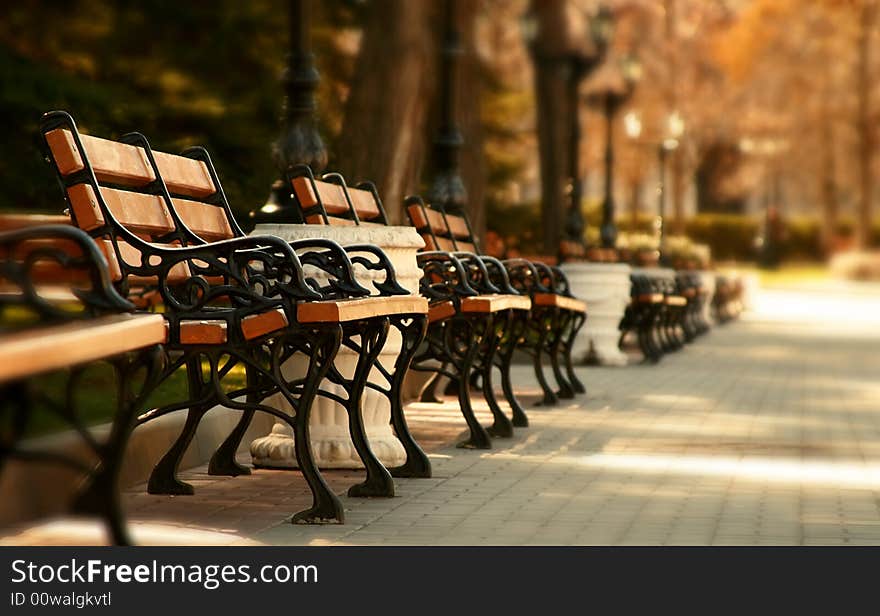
764,432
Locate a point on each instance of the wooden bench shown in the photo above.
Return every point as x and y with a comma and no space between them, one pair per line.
228,301
464,306
727,302
556,316
60,315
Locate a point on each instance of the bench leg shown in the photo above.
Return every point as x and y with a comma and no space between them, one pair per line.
223,462
417,463
379,481
429,394
463,342
99,495
560,323
163,479
550,397
576,323
501,426
322,347
505,363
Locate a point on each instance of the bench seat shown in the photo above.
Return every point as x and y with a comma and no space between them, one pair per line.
44,349
559,301
495,303
345,310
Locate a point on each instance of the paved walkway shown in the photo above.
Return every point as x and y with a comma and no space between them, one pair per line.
766,431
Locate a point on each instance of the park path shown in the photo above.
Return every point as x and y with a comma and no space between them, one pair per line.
765,431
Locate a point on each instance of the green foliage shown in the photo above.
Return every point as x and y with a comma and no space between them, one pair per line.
729,236
183,73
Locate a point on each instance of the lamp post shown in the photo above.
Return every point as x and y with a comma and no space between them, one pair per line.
673,131
632,126
770,149
612,99
299,141
581,65
447,188
578,64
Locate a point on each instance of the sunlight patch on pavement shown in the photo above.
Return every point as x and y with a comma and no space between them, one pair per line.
841,474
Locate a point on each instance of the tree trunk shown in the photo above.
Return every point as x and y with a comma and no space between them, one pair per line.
865,129
383,134
470,90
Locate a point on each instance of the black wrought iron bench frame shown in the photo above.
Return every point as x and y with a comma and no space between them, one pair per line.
36,334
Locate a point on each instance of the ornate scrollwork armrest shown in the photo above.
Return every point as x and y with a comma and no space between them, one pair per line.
444,277
478,275
333,259
24,257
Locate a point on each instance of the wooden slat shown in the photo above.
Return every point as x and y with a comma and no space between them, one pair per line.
494,303
559,301
203,332
440,311
139,213
114,162
676,300
205,220
341,311
364,203
257,325
427,219
458,227
11,222
466,246
120,163
51,348
650,298
184,176
332,196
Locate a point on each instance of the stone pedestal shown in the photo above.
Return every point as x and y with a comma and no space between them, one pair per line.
331,442
707,280
606,289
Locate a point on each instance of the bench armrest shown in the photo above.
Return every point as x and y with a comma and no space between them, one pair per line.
444,277
24,251
477,272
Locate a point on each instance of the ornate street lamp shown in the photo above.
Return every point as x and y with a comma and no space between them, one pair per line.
579,63
299,142
447,188
612,98
670,140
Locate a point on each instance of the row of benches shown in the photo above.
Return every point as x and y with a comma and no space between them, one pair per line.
172,283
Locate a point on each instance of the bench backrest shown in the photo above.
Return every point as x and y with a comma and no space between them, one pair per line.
330,201
115,193
440,229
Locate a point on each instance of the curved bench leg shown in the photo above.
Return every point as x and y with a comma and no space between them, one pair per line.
501,427
223,462
576,323
505,364
379,481
163,479
417,463
326,506
560,324
466,349
99,495
429,394
549,398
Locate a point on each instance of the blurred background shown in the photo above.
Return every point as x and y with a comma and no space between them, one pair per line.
748,125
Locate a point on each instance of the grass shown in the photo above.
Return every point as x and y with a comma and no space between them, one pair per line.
793,273
96,397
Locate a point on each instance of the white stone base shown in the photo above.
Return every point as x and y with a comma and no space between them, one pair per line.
707,280
331,444
606,289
